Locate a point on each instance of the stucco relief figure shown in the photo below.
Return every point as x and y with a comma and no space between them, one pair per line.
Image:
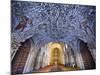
24,24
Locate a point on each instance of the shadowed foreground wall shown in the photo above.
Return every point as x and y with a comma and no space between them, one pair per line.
20,58
87,57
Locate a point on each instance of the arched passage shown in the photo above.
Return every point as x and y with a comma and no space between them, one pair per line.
56,53
56,56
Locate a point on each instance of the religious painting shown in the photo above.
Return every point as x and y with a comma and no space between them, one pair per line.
52,37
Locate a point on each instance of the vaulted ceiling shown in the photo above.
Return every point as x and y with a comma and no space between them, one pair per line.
56,22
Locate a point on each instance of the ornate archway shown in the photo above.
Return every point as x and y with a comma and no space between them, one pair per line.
56,53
